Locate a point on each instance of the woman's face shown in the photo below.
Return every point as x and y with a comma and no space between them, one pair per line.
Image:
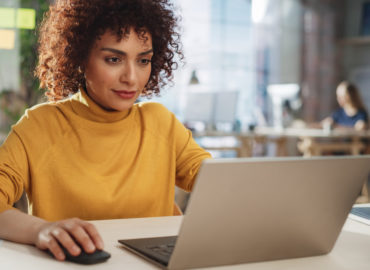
116,72
342,96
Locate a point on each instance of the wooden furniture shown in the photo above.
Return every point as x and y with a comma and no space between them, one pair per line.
314,142
311,142
351,251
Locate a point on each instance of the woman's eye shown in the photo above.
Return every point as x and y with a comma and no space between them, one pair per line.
145,61
113,60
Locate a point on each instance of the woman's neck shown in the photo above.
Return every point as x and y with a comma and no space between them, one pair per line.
350,109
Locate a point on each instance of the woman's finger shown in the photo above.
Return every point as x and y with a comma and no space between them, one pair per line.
79,234
55,249
94,234
66,240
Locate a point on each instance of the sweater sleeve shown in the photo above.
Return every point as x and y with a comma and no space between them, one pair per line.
189,156
13,171
186,153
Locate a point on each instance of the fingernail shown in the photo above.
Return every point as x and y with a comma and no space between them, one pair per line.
61,256
76,249
90,247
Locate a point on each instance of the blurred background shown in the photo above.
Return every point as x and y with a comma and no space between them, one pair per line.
248,62
238,46
244,46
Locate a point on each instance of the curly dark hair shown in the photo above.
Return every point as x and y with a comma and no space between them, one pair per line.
70,28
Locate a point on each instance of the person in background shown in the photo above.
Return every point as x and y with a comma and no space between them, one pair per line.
352,112
91,152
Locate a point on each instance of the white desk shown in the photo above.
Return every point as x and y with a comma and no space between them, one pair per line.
352,250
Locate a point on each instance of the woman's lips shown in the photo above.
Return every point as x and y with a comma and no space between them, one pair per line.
125,94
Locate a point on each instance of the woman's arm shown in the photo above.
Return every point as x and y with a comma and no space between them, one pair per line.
22,228
328,122
360,125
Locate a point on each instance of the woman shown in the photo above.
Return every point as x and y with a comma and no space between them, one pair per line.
352,112
90,152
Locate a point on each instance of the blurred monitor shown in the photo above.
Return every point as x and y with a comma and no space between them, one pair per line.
225,104
283,91
211,107
281,94
199,107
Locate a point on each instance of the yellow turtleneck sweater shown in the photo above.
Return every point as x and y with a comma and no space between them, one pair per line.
74,159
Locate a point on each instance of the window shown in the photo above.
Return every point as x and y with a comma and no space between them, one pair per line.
237,45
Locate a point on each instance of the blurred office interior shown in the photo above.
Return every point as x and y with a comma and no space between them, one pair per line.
248,63
245,46
236,46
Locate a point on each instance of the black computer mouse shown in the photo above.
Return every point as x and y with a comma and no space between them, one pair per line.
97,256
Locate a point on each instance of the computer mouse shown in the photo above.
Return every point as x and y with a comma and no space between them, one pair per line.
97,256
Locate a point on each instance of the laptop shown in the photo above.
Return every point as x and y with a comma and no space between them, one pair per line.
260,209
361,213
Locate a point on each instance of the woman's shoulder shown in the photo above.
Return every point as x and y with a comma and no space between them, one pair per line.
153,109
338,114
44,110
156,118
43,115
362,113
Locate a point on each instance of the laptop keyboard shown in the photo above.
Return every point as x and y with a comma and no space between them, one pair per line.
158,249
163,250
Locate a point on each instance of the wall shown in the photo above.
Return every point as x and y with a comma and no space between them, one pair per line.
356,50
10,59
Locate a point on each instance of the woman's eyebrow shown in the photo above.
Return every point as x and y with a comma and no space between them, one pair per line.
113,51
146,52
124,53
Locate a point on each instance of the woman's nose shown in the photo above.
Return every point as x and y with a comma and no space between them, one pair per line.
128,74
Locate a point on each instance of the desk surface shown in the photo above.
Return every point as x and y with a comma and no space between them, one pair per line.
313,132
289,132
352,250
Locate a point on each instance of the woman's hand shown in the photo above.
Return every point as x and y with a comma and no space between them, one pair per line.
360,125
327,123
68,233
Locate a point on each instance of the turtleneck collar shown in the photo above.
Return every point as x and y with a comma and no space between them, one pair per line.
84,106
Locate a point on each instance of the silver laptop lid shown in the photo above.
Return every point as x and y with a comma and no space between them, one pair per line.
248,210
